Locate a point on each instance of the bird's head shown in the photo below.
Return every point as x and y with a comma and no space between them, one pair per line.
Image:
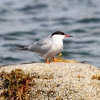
59,35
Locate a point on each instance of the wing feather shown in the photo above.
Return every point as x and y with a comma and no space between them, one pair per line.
41,47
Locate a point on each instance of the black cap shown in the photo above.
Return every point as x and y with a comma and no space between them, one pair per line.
57,33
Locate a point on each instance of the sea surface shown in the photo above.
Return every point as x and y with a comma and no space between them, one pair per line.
25,21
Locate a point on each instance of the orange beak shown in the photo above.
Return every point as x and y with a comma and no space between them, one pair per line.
68,36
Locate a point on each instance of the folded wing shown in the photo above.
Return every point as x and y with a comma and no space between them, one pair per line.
41,47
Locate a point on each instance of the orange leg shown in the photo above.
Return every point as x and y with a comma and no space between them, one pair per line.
46,60
54,60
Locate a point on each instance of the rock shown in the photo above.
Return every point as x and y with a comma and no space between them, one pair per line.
62,81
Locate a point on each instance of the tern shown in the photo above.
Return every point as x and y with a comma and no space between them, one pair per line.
48,47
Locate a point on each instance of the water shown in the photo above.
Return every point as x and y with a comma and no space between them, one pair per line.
24,21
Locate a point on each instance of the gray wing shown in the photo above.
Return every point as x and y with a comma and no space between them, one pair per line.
41,47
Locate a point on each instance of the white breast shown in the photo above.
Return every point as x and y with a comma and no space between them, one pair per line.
57,47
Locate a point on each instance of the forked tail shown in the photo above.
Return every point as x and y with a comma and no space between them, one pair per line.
21,47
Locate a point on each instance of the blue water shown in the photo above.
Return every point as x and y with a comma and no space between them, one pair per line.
24,21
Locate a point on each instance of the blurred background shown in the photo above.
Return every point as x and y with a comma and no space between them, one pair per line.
24,21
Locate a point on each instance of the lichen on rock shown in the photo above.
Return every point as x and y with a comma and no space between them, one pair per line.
59,81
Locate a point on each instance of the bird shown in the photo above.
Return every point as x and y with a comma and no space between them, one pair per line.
47,47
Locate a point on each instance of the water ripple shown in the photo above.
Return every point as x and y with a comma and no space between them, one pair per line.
33,7
89,20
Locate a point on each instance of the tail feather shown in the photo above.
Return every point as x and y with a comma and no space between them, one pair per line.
21,47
